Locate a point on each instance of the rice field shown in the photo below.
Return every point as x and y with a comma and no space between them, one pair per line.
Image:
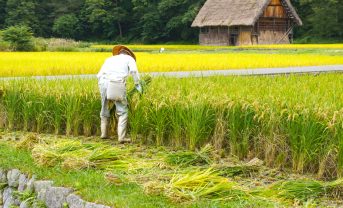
186,132
291,122
184,178
73,63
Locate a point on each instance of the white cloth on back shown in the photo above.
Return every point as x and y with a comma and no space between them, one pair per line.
118,68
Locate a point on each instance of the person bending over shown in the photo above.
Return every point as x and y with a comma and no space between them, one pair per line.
112,85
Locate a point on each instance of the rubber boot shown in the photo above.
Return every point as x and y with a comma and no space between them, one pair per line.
122,125
104,128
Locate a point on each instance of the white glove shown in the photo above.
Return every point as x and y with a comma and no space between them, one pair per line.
139,88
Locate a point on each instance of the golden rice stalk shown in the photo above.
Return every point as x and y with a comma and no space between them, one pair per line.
76,163
198,184
28,142
44,156
153,187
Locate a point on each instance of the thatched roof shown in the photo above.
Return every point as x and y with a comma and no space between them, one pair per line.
236,12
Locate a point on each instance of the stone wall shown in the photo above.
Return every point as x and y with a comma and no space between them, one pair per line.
19,190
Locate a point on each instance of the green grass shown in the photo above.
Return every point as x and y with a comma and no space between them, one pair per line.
92,185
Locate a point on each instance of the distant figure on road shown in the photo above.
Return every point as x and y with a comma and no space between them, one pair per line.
112,84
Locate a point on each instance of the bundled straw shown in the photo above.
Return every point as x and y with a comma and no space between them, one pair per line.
202,184
303,190
187,158
28,142
76,155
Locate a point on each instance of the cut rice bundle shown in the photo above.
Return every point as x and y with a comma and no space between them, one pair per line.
188,158
74,155
302,190
199,184
28,142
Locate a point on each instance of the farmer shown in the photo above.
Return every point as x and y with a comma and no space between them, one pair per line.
112,84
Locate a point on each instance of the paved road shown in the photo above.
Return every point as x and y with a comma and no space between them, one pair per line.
237,72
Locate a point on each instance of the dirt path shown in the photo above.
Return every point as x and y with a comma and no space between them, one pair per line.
229,72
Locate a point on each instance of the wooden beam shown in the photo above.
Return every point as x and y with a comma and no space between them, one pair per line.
286,34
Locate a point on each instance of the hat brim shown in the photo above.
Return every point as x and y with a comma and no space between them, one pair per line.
118,48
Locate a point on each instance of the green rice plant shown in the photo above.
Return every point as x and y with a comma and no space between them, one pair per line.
12,103
241,127
41,116
159,121
198,123
28,110
71,106
195,185
57,119
340,158
138,120
220,130
89,105
288,121
306,136
177,130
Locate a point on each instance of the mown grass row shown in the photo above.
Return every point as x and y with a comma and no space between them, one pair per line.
294,122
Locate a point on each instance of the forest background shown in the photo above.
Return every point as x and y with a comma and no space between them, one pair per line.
149,21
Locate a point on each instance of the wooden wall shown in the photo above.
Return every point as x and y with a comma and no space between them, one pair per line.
214,36
273,25
245,37
267,34
272,37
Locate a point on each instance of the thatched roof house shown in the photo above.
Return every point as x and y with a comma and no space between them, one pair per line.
239,22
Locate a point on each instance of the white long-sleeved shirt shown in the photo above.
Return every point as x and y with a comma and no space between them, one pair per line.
118,68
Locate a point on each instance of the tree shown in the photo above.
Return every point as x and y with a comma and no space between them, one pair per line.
106,18
327,18
19,37
148,27
2,13
66,26
21,12
179,15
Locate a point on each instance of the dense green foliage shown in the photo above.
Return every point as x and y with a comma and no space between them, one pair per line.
20,38
66,26
146,20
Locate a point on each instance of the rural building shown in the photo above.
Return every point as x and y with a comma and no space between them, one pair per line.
246,22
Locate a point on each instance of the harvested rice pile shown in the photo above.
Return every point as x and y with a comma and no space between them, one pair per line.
76,155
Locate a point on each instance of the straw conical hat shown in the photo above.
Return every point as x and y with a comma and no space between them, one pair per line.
118,48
